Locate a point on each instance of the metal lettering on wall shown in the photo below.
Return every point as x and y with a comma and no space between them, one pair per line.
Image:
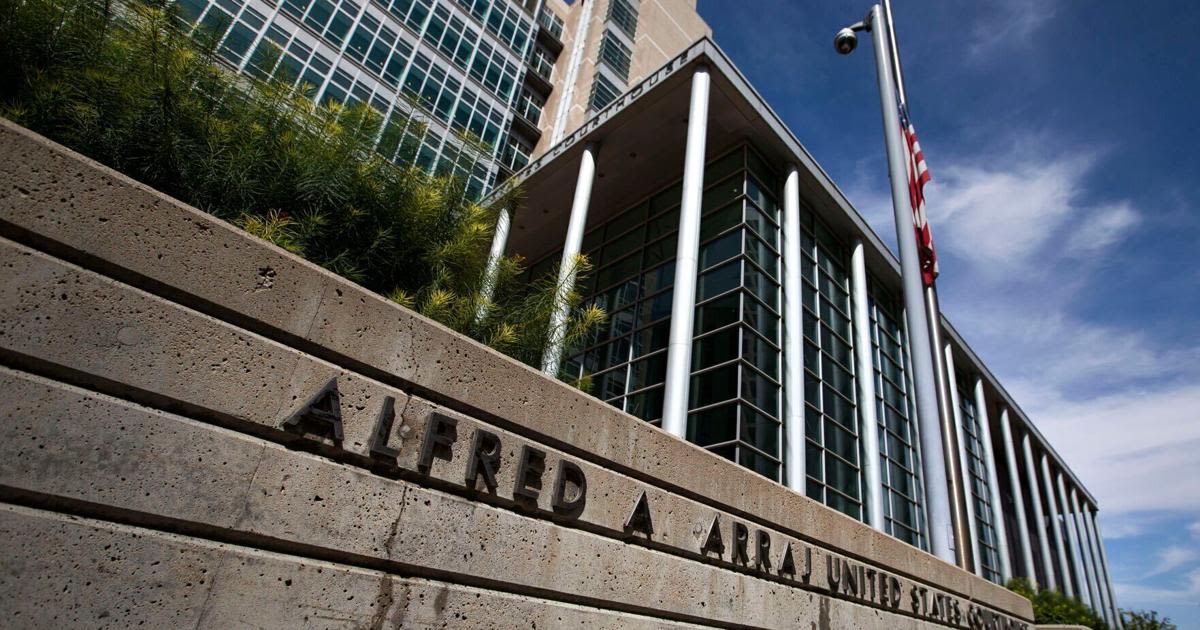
718,538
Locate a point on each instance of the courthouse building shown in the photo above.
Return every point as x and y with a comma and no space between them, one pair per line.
752,310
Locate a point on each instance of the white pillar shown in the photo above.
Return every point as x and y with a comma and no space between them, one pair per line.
1098,573
963,466
865,371
499,244
793,335
1114,609
552,357
1085,556
989,460
1081,585
687,255
1039,516
1068,587
1014,481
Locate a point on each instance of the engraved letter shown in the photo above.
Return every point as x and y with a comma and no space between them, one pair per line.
713,542
383,431
741,537
787,564
321,415
530,467
440,433
484,458
639,520
569,472
762,560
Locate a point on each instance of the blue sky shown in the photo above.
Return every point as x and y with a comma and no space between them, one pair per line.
1062,138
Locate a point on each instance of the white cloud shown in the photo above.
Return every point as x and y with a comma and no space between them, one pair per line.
1135,450
1017,211
1194,528
1174,557
1013,22
1188,594
1106,226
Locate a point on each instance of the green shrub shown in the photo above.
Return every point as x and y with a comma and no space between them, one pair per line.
1052,607
1145,620
123,85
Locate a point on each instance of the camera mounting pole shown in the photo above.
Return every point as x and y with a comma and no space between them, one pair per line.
945,502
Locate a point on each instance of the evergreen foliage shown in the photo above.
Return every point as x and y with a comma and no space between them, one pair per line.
120,83
1052,607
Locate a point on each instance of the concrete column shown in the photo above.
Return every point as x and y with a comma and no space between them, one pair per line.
552,357
793,335
1081,587
1057,534
499,244
964,471
864,368
1114,608
687,256
1085,556
1039,517
1014,481
1097,570
989,460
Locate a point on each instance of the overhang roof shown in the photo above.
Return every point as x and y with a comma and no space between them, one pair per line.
641,137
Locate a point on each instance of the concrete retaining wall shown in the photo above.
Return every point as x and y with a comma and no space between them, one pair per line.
205,430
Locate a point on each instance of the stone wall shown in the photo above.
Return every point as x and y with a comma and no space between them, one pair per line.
205,430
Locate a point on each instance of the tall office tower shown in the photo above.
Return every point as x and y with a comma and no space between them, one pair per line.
462,85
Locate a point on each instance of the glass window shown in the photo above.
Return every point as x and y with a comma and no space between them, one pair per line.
713,426
624,14
603,92
714,386
615,55
734,399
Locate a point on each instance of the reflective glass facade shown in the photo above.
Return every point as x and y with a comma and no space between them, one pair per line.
980,499
834,468
445,75
735,391
899,457
735,395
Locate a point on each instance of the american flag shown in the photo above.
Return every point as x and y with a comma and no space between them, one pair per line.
918,176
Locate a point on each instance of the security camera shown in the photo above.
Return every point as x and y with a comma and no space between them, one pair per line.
845,41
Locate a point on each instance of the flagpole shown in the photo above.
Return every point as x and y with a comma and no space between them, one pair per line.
957,490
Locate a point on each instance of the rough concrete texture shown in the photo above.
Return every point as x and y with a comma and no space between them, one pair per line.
123,576
284,500
63,315
210,291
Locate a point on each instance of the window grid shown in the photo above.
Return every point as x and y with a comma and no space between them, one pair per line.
515,154
615,55
542,62
505,21
378,49
624,14
736,356
529,106
981,498
552,22
899,458
831,427
603,92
